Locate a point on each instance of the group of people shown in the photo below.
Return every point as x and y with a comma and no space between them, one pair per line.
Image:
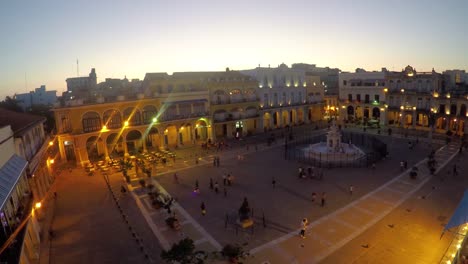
310,173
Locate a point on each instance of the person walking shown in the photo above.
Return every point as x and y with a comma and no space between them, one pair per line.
225,192
314,196
217,162
216,187
402,165
273,182
224,179
304,225
176,178
351,189
323,199
229,179
455,171
211,184
203,208
214,161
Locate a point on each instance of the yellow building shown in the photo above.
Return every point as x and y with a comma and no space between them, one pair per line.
234,105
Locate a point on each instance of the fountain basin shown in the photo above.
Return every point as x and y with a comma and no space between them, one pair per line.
345,152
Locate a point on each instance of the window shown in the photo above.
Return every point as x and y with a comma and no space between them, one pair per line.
366,99
376,98
132,115
149,112
358,97
345,82
112,119
265,99
350,97
91,122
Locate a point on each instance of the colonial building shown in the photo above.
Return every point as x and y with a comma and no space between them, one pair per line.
411,100
81,87
234,104
172,111
362,97
287,96
26,177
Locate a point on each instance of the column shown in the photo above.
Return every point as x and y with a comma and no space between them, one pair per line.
106,151
259,124
306,115
162,140
211,134
125,146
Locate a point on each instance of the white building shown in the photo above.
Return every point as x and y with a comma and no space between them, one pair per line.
37,97
25,178
287,96
362,96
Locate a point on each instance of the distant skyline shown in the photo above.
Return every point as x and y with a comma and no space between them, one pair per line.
41,40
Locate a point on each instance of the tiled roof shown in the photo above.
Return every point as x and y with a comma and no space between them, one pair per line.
9,176
19,121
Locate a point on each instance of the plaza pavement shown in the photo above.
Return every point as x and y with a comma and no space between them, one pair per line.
289,202
88,227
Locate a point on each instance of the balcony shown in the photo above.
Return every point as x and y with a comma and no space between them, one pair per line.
229,101
181,117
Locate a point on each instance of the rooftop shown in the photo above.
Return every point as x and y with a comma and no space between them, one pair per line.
18,121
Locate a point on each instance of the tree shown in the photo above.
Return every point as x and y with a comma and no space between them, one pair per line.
184,253
125,165
11,104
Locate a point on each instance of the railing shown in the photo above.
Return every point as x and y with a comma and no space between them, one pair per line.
231,101
373,149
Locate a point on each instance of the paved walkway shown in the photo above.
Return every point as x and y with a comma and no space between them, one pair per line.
331,232
190,227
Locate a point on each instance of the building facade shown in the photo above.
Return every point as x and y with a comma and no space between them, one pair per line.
81,87
287,96
362,97
27,171
40,96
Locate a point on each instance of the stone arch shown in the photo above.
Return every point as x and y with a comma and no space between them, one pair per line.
132,116
114,145
112,119
463,110
92,148
267,117
235,96
293,116
91,122
453,109
300,115
133,140
441,123
366,112
285,118
152,138
350,110
376,113
149,112
250,94
219,97
251,111
201,130
408,119
185,134
220,115
237,113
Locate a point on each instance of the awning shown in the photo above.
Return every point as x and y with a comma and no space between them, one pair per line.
10,174
460,216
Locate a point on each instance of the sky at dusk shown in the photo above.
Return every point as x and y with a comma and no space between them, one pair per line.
41,40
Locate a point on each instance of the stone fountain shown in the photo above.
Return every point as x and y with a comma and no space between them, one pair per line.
333,149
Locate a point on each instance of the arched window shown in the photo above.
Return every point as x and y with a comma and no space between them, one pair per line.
91,122
132,115
149,112
112,119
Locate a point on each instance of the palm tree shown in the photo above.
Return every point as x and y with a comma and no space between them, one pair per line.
125,165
